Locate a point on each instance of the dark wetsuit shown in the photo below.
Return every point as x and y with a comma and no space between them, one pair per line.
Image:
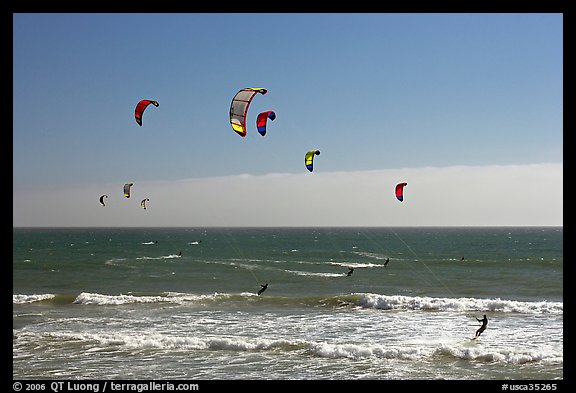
483,327
262,289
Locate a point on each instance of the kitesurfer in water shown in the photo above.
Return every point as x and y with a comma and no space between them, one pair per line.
482,328
180,253
262,289
350,270
386,263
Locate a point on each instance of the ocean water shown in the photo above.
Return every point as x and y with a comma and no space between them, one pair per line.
182,303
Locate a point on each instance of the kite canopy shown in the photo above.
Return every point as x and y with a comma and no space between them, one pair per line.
400,191
127,189
309,159
239,108
263,119
102,199
139,111
143,203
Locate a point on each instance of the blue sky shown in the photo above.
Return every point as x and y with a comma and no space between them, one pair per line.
385,98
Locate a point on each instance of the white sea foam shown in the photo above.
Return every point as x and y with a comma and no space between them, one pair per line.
386,302
170,256
315,274
98,341
167,297
21,299
98,299
356,264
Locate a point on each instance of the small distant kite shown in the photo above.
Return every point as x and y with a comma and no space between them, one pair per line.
127,189
309,159
262,119
400,191
143,203
102,199
239,108
142,105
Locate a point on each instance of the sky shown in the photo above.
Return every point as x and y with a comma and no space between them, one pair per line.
466,108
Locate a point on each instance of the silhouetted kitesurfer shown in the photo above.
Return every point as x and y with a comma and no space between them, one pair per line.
386,263
180,253
350,270
262,289
482,328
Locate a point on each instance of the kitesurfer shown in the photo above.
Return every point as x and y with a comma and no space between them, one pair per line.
350,270
262,289
180,253
483,327
386,263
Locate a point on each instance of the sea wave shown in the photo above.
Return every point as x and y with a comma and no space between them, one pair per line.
395,302
360,300
21,299
314,348
170,256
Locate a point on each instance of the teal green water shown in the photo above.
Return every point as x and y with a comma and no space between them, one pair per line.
181,303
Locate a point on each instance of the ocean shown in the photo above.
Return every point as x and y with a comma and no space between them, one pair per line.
182,303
